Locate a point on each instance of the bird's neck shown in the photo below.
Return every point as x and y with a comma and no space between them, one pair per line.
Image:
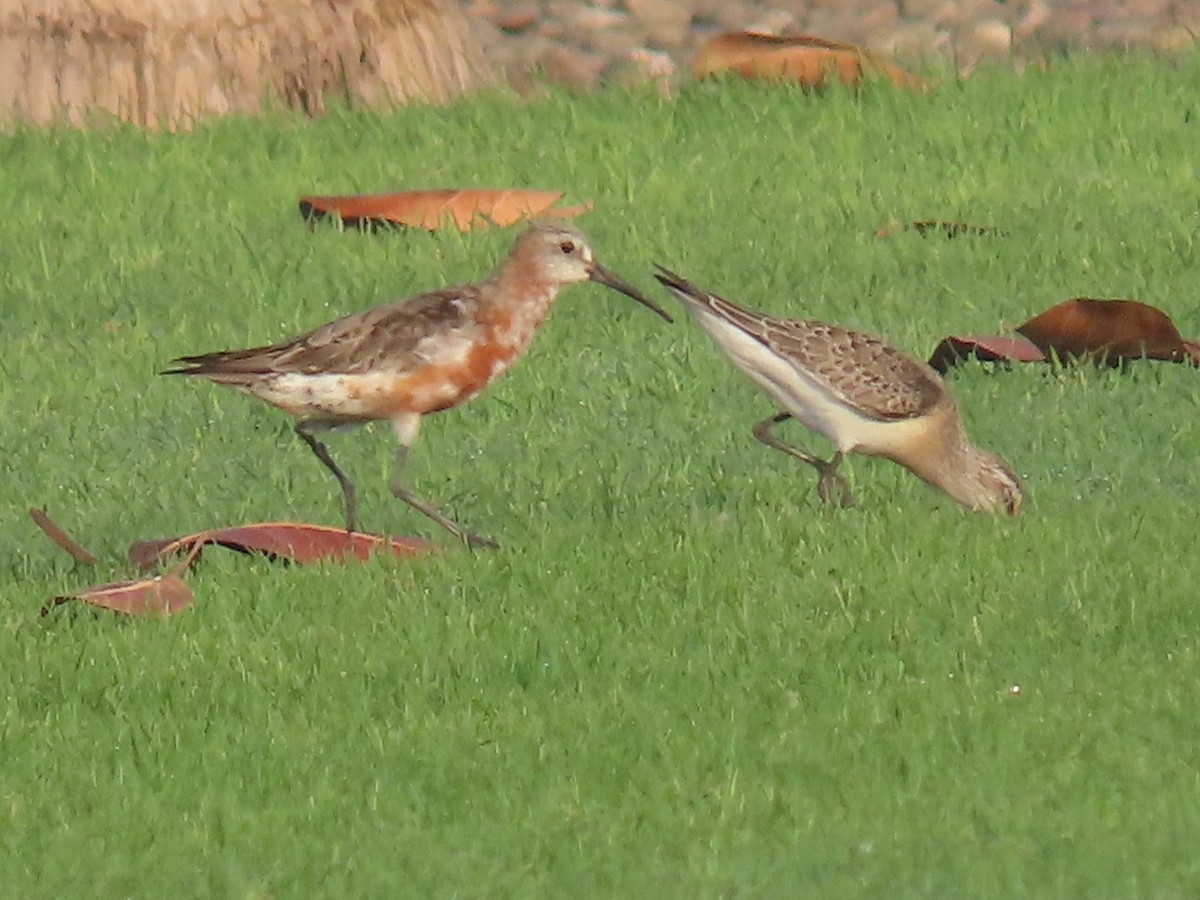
961,474
520,300
944,458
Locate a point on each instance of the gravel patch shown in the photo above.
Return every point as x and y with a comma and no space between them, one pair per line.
585,44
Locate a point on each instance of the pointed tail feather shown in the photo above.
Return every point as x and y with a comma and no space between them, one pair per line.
697,299
223,362
679,286
186,365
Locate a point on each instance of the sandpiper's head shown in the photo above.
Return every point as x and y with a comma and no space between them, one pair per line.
994,486
561,254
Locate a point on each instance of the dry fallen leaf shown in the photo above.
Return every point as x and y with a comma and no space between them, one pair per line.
434,209
947,229
1108,331
163,595
290,541
954,349
1105,331
60,537
803,58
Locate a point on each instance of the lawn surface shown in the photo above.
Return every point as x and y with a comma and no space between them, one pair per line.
681,676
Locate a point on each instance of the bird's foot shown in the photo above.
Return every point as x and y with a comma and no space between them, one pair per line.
479,541
833,489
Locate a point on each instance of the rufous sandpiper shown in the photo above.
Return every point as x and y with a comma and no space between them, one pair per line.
412,357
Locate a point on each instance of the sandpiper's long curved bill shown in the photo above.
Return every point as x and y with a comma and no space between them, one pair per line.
601,275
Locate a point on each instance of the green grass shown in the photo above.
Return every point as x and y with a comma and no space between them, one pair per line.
681,676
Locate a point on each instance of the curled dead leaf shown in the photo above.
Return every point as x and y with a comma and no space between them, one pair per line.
807,59
60,537
1105,331
163,595
954,349
291,541
1108,331
946,229
434,209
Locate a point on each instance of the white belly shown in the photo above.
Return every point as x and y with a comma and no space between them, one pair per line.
805,397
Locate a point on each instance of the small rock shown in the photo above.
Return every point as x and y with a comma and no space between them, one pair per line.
491,38
642,65
831,25
652,63
573,68
595,18
708,9
1150,9
483,9
521,55
728,16
611,42
774,21
1177,37
879,18
957,13
993,35
665,22
1068,25
917,39
1037,15
947,15
1126,35
515,19
919,9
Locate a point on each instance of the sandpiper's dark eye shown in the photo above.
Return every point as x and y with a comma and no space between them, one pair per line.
567,247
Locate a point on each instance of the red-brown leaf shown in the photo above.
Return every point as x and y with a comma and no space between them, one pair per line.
434,209
291,541
1192,349
163,595
60,537
990,348
1108,331
804,58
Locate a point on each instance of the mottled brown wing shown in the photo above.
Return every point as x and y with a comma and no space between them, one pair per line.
386,337
864,372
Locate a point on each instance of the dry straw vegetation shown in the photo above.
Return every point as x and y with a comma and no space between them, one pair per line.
164,63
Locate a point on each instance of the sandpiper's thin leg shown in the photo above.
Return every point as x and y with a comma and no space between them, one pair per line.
305,430
832,486
402,492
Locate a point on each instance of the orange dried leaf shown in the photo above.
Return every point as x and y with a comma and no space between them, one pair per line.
954,349
803,58
1108,331
291,541
163,595
434,209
